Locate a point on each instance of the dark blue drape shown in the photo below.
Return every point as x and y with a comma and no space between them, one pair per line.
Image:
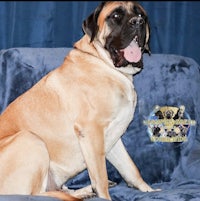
175,25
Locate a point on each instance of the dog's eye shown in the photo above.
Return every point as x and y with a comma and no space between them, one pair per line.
116,16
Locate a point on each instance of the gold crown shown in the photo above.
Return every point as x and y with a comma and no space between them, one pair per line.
169,124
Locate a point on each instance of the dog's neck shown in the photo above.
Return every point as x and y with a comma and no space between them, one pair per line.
84,45
96,49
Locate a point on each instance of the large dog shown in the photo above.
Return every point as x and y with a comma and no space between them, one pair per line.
73,118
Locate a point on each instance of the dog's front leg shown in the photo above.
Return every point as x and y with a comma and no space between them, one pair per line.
91,139
120,158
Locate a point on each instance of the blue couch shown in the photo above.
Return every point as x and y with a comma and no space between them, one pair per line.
166,80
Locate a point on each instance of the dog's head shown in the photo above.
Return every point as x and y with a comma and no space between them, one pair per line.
122,29
169,114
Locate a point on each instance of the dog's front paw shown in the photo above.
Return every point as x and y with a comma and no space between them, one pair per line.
144,187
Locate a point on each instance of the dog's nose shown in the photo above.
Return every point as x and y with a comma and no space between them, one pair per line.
136,21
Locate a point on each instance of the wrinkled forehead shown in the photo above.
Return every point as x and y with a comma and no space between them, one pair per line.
110,6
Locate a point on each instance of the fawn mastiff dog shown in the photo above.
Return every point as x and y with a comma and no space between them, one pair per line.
73,118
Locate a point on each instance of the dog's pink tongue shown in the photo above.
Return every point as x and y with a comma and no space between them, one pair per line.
132,53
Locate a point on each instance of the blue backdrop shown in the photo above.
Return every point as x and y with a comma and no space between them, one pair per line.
175,25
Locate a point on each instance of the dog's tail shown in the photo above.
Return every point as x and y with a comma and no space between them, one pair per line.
61,195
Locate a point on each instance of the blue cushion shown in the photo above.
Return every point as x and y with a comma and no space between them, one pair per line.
166,80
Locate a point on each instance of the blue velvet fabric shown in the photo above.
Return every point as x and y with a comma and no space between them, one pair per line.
166,80
174,24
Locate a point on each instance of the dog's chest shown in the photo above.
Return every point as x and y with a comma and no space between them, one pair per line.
122,115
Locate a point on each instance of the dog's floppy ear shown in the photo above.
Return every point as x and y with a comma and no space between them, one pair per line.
146,46
89,25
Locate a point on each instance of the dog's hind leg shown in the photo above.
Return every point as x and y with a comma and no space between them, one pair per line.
24,164
85,192
91,139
